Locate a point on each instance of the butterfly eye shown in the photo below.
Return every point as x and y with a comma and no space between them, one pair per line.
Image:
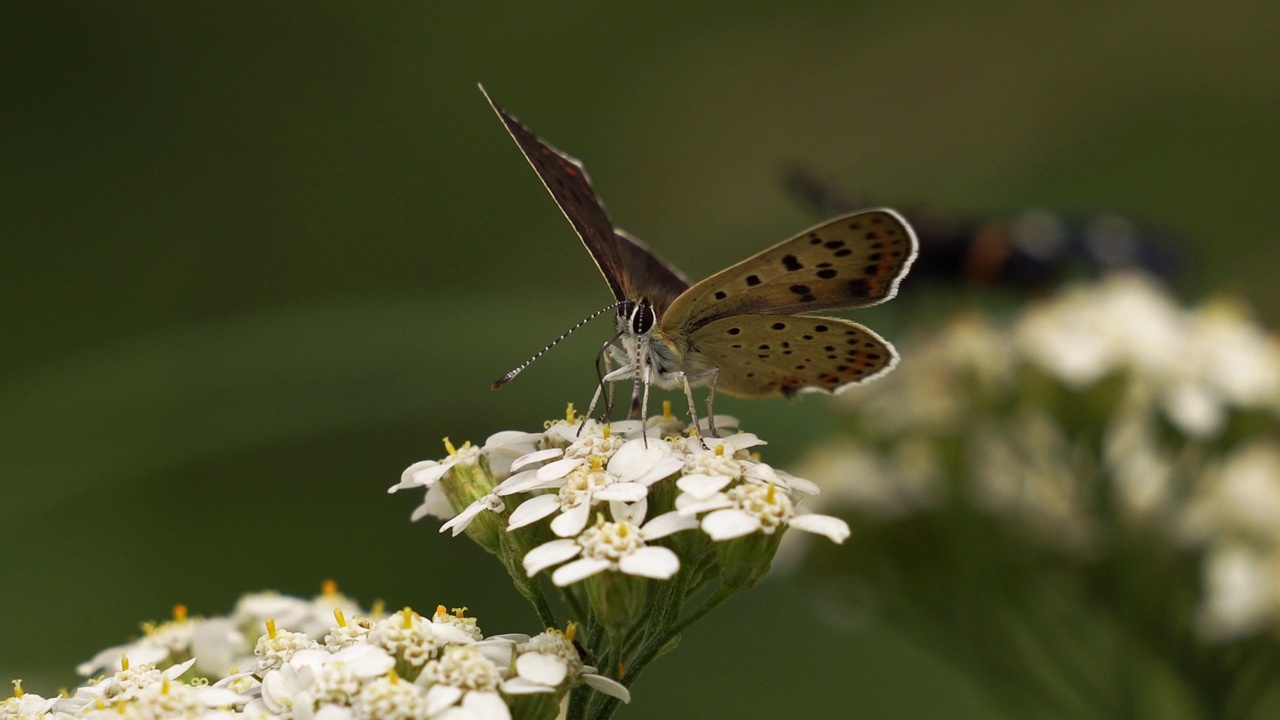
642,318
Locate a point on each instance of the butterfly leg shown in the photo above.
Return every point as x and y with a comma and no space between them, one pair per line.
607,380
711,376
693,408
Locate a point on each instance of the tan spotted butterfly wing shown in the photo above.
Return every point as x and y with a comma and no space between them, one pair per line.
632,271
747,320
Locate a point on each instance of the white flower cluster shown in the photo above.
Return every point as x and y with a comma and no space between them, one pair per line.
597,483
400,667
1105,399
1199,365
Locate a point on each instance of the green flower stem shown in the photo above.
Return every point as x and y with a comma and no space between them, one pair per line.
606,705
531,589
571,598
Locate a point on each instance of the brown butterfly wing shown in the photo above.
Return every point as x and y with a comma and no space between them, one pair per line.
631,270
849,262
647,275
770,355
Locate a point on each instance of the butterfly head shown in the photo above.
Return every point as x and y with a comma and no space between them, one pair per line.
636,318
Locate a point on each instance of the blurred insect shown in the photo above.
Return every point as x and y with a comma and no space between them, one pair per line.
744,330
1029,250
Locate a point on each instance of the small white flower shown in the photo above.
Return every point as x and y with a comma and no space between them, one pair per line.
24,704
464,678
427,473
348,633
549,661
278,647
750,507
615,546
634,466
390,698
1240,592
414,639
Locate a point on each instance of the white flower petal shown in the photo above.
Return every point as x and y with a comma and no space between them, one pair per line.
689,505
609,687
654,562
213,697
834,528
634,462
521,686
799,484
519,482
175,671
666,524
559,468
533,510
626,427
435,504
632,513
702,487
460,521
578,570
536,456
728,524
548,554
441,696
410,479
571,522
334,711
627,492
486,706
542,668
430,472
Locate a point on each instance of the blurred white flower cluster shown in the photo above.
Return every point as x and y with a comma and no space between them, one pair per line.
361,667
1107,409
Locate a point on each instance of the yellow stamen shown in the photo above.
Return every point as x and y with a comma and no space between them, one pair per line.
666,409
393,676
17,688
379,609
124,662
329,588
441,611
449,448
408,618
768,496
605,432
63,692
570,631
622,530
340,616
164,686
720,450
271,628
597,462
179,613
460,612
570,416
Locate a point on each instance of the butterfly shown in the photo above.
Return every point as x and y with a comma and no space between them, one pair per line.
745,330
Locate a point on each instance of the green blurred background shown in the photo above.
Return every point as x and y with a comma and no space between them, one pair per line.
258,257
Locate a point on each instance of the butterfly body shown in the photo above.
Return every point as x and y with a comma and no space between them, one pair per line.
749,329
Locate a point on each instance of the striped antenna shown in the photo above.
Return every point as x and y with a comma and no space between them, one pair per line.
512,374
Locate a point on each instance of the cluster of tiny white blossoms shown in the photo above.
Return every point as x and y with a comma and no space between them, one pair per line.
354,667
608,491
1175,410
